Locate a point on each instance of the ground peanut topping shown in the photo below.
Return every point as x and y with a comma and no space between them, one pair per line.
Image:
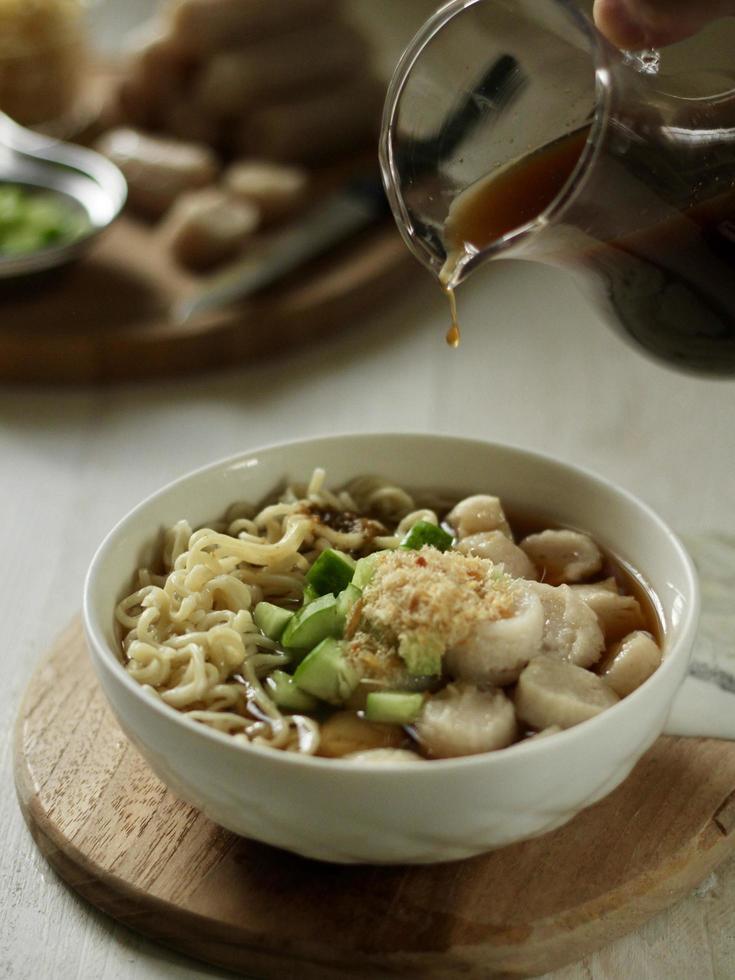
429,591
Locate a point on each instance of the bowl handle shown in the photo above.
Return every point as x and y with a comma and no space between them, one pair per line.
702,708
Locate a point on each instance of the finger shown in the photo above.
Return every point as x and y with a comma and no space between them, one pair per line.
638,24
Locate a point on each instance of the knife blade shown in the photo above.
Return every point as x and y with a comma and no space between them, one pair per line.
360,204
333,220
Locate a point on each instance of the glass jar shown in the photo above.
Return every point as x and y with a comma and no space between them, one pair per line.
43,60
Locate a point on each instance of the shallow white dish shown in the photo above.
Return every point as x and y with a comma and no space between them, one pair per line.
401,812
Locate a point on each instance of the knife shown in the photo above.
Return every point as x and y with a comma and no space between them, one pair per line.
358,205
336,219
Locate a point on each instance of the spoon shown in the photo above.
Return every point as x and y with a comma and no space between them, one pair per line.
87,179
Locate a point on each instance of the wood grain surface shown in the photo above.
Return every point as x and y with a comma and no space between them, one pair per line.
108,317
116,835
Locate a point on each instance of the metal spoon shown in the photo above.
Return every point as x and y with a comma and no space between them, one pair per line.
88,179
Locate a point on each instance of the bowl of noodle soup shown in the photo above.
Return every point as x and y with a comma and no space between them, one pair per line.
171,620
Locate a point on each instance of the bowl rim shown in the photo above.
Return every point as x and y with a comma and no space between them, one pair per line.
107,658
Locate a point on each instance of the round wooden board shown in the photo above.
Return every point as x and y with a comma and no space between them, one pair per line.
107,317
115,834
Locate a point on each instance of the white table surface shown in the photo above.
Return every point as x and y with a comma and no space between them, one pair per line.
536,368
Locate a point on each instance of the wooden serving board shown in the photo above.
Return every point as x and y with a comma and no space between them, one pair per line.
113,831
107,317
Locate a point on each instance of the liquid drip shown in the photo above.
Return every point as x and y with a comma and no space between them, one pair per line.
496,206
453,335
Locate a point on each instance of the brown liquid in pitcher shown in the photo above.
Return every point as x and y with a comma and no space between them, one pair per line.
671,286
517,194
505,201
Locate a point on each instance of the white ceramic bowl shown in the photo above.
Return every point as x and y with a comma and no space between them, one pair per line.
401,812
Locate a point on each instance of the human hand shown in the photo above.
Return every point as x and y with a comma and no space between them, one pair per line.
638,24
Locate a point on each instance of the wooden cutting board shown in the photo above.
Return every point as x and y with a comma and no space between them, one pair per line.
111,829
107,317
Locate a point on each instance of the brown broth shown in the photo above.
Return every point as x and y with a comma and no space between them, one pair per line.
630,581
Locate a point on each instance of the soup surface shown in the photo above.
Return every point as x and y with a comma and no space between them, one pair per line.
367,624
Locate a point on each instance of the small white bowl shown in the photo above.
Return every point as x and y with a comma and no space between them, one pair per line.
399,812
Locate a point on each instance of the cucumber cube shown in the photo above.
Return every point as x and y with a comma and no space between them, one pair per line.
271,620
425,533
326,673
312,623
393,707
310,594
285,694
331,572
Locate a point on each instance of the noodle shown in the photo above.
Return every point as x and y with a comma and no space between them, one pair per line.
188,633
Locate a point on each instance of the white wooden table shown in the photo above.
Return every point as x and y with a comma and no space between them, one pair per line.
535,368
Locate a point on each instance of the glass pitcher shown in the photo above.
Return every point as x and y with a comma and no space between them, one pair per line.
513,129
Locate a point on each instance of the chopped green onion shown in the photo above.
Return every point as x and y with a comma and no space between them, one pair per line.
424,533
331,572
